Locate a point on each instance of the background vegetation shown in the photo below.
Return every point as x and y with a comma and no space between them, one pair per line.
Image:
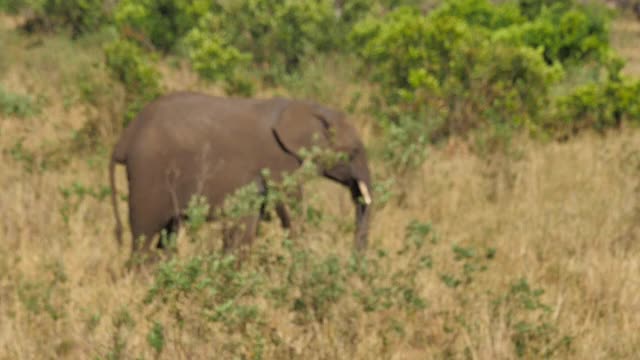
504,147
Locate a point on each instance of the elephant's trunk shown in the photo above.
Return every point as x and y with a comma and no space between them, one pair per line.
361,193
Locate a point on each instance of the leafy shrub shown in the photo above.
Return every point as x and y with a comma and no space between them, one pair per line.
162,22
598,106
48,294
278,33
75,194
301,27
222,38
533,330
80,16
22,106
532,8
134,69
214,59
406,143
442,62
481,13
475,66
12,6
567,33
208,294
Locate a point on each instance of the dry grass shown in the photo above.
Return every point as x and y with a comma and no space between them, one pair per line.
626,38
564,216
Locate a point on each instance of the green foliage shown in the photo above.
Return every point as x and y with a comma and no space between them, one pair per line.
197,212
31,159
405,147
532,8
76,193
205,292
204,295
46,295
122,323
214,59
134,69
482,13
534,333
477,67
447,72
245,201
567,33
321,284
17,105
211,56
531,325
129,64
301,26
598,106
286,189
471,263
12,6
161,23
156,337
79,16
222,38
387,288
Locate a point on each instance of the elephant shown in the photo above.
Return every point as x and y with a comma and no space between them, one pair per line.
189,143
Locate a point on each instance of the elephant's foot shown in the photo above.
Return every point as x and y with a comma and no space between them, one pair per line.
239,236
292,231
142,260
143,254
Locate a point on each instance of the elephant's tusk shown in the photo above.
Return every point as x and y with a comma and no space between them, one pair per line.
364,190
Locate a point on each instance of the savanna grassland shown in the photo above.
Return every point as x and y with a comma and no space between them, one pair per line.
480,247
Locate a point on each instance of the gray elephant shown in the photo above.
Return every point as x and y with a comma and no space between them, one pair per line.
187,143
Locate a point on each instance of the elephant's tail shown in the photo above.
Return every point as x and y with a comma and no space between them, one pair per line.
114,201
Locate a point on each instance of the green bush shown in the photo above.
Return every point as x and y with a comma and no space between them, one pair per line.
474,65
481,13
80,16
22,106
12,6
568,34
532,8
598,106
445,63
221,39
277,32
135,70
214,59
206,294
162,22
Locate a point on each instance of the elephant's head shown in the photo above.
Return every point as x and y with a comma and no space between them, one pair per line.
303,125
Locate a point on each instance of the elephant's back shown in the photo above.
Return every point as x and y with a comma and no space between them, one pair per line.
196,113
204,138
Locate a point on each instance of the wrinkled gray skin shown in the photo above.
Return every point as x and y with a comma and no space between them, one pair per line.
188,143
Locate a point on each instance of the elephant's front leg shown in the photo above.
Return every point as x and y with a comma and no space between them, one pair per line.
286,222
239,234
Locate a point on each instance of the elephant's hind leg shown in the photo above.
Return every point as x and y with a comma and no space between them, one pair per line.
169,234
145,231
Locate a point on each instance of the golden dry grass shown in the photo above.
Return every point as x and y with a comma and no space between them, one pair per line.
626,38
564,216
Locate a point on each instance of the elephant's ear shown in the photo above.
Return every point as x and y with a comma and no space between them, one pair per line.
299,126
